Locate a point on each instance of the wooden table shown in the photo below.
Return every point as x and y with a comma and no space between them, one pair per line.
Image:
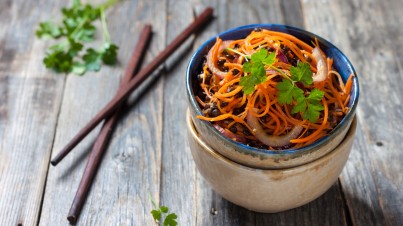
149,154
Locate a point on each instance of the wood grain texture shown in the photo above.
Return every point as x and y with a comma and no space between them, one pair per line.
371,37
178,172
131,165
30,99
149,154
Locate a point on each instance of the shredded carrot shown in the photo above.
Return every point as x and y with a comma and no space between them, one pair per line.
226,95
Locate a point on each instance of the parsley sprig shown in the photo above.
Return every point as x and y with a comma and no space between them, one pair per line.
309,106
162,212
256,68
76,29
255,73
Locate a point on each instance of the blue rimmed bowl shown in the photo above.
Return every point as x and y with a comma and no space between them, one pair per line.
262,158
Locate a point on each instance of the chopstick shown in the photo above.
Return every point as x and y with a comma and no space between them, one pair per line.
194,27
104,135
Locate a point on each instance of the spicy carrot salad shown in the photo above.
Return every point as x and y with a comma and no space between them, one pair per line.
271,90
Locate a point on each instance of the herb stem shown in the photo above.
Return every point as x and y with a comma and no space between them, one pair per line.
152,201
282,73
241,54
107,37
108,4
83,21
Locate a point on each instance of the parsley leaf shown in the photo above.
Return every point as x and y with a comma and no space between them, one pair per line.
162,212
310,106
255,69
92,60
312,113
76,29
285,94
316,95
109,53
156,215
170,220
302,73
49,30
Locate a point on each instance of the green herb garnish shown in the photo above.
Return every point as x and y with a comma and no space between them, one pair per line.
255,73
77,29
256,70
309,106
162,212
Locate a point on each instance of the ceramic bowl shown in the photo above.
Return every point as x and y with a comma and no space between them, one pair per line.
262,158
272,190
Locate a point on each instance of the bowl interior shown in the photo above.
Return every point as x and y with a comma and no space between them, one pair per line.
340,64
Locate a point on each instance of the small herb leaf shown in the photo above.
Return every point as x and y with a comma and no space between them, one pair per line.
156,215
257,76
259,56
286,93
247,67
302,73
312,113
49,30
256,70
164,209
92,60
316,95
170,220
109,53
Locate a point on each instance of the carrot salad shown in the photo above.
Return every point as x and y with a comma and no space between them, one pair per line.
271,90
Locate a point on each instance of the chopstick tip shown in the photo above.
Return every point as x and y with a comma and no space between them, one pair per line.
54,162
72,219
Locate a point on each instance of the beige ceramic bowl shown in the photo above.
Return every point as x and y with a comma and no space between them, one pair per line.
270,190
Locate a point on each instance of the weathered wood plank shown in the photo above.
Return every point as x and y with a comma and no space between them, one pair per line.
369,33
178,173
30,99
143,154
130,170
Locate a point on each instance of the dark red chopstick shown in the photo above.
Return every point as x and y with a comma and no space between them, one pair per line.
102,140
194,27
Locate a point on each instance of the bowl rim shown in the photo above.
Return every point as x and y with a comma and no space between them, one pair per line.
266,152
195,134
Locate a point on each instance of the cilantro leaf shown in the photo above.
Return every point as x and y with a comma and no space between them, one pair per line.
170,220
49,30
92,60
156,214
162,212
164,209
247,67
256,70
58,60
257,76
312,113
259,56
288,92
77,28
285,94
316,95
300,107
78,68
309,106
109,53
302,73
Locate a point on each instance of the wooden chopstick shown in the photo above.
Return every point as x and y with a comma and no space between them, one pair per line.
194,27
104,135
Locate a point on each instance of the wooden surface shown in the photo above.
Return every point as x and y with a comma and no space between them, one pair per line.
148,154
